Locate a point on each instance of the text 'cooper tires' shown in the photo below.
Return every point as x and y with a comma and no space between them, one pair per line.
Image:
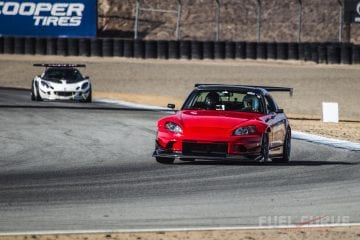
164,160
285,158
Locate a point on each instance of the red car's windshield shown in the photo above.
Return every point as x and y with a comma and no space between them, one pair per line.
243,101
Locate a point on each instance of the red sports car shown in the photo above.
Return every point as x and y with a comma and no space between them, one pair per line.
227,122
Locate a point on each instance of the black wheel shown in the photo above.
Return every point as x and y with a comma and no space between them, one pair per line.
164,160
37,97
32,92
265,148
89,98
285,158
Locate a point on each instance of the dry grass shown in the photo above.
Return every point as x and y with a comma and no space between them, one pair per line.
238,20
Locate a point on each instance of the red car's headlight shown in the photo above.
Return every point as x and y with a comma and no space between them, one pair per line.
244,131
173,127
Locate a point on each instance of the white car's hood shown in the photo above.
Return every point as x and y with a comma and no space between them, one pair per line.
63,85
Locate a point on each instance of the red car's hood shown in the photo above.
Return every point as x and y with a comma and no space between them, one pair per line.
213,122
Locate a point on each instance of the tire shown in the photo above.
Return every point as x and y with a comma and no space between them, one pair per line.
164,160
285,158
38,97
32,92
89,98
265,148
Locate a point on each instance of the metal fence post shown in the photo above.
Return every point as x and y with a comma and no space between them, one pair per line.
179,7
341,19
218,5
258,20
300,20
136,26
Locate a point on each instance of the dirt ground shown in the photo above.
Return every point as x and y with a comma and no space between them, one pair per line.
344,130
158,82
332,233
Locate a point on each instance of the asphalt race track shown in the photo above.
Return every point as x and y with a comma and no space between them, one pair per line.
73,166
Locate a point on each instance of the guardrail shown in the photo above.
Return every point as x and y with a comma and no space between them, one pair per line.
323,53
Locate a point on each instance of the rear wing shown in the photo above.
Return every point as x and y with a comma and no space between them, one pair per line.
267,88
276,89
60,65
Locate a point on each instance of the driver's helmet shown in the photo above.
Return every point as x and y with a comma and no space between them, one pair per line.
251,102
211,100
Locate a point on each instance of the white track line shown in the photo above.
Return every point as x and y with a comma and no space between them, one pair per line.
311,226
326,141
130,105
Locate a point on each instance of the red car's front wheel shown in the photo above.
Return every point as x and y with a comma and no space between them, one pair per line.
285,158
265,148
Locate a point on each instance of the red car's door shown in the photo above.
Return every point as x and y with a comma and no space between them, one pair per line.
278,130
277,122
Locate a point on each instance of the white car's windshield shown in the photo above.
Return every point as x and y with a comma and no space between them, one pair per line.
68,74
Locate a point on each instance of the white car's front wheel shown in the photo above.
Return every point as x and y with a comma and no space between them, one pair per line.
89,97
32,92
37,92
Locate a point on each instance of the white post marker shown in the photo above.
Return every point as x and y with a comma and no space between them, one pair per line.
330,112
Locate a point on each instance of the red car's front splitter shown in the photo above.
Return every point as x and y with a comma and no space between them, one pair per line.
249,148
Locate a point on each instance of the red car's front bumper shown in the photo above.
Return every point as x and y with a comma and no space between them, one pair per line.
232,147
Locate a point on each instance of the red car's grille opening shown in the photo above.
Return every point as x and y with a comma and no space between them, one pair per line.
65,94
205,149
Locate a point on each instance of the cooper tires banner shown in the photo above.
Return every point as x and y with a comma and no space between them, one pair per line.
50,18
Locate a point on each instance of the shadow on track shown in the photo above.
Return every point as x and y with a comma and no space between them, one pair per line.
84,108
15,89
19,98
248,163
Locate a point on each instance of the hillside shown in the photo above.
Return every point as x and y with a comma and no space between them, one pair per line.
238,20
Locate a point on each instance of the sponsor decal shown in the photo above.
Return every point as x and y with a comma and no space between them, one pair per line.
48,18
45,13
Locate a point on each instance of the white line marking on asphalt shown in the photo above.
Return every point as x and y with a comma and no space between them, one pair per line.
130,105
114,231
326,141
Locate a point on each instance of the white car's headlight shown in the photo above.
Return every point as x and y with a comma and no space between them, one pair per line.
84,85
244,131
173,127
45,84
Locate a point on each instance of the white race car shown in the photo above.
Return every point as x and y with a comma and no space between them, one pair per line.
61,82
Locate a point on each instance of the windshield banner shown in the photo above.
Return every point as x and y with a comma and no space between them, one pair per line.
48,18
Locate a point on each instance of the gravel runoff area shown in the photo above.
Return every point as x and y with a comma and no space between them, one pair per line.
158,82
321,233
